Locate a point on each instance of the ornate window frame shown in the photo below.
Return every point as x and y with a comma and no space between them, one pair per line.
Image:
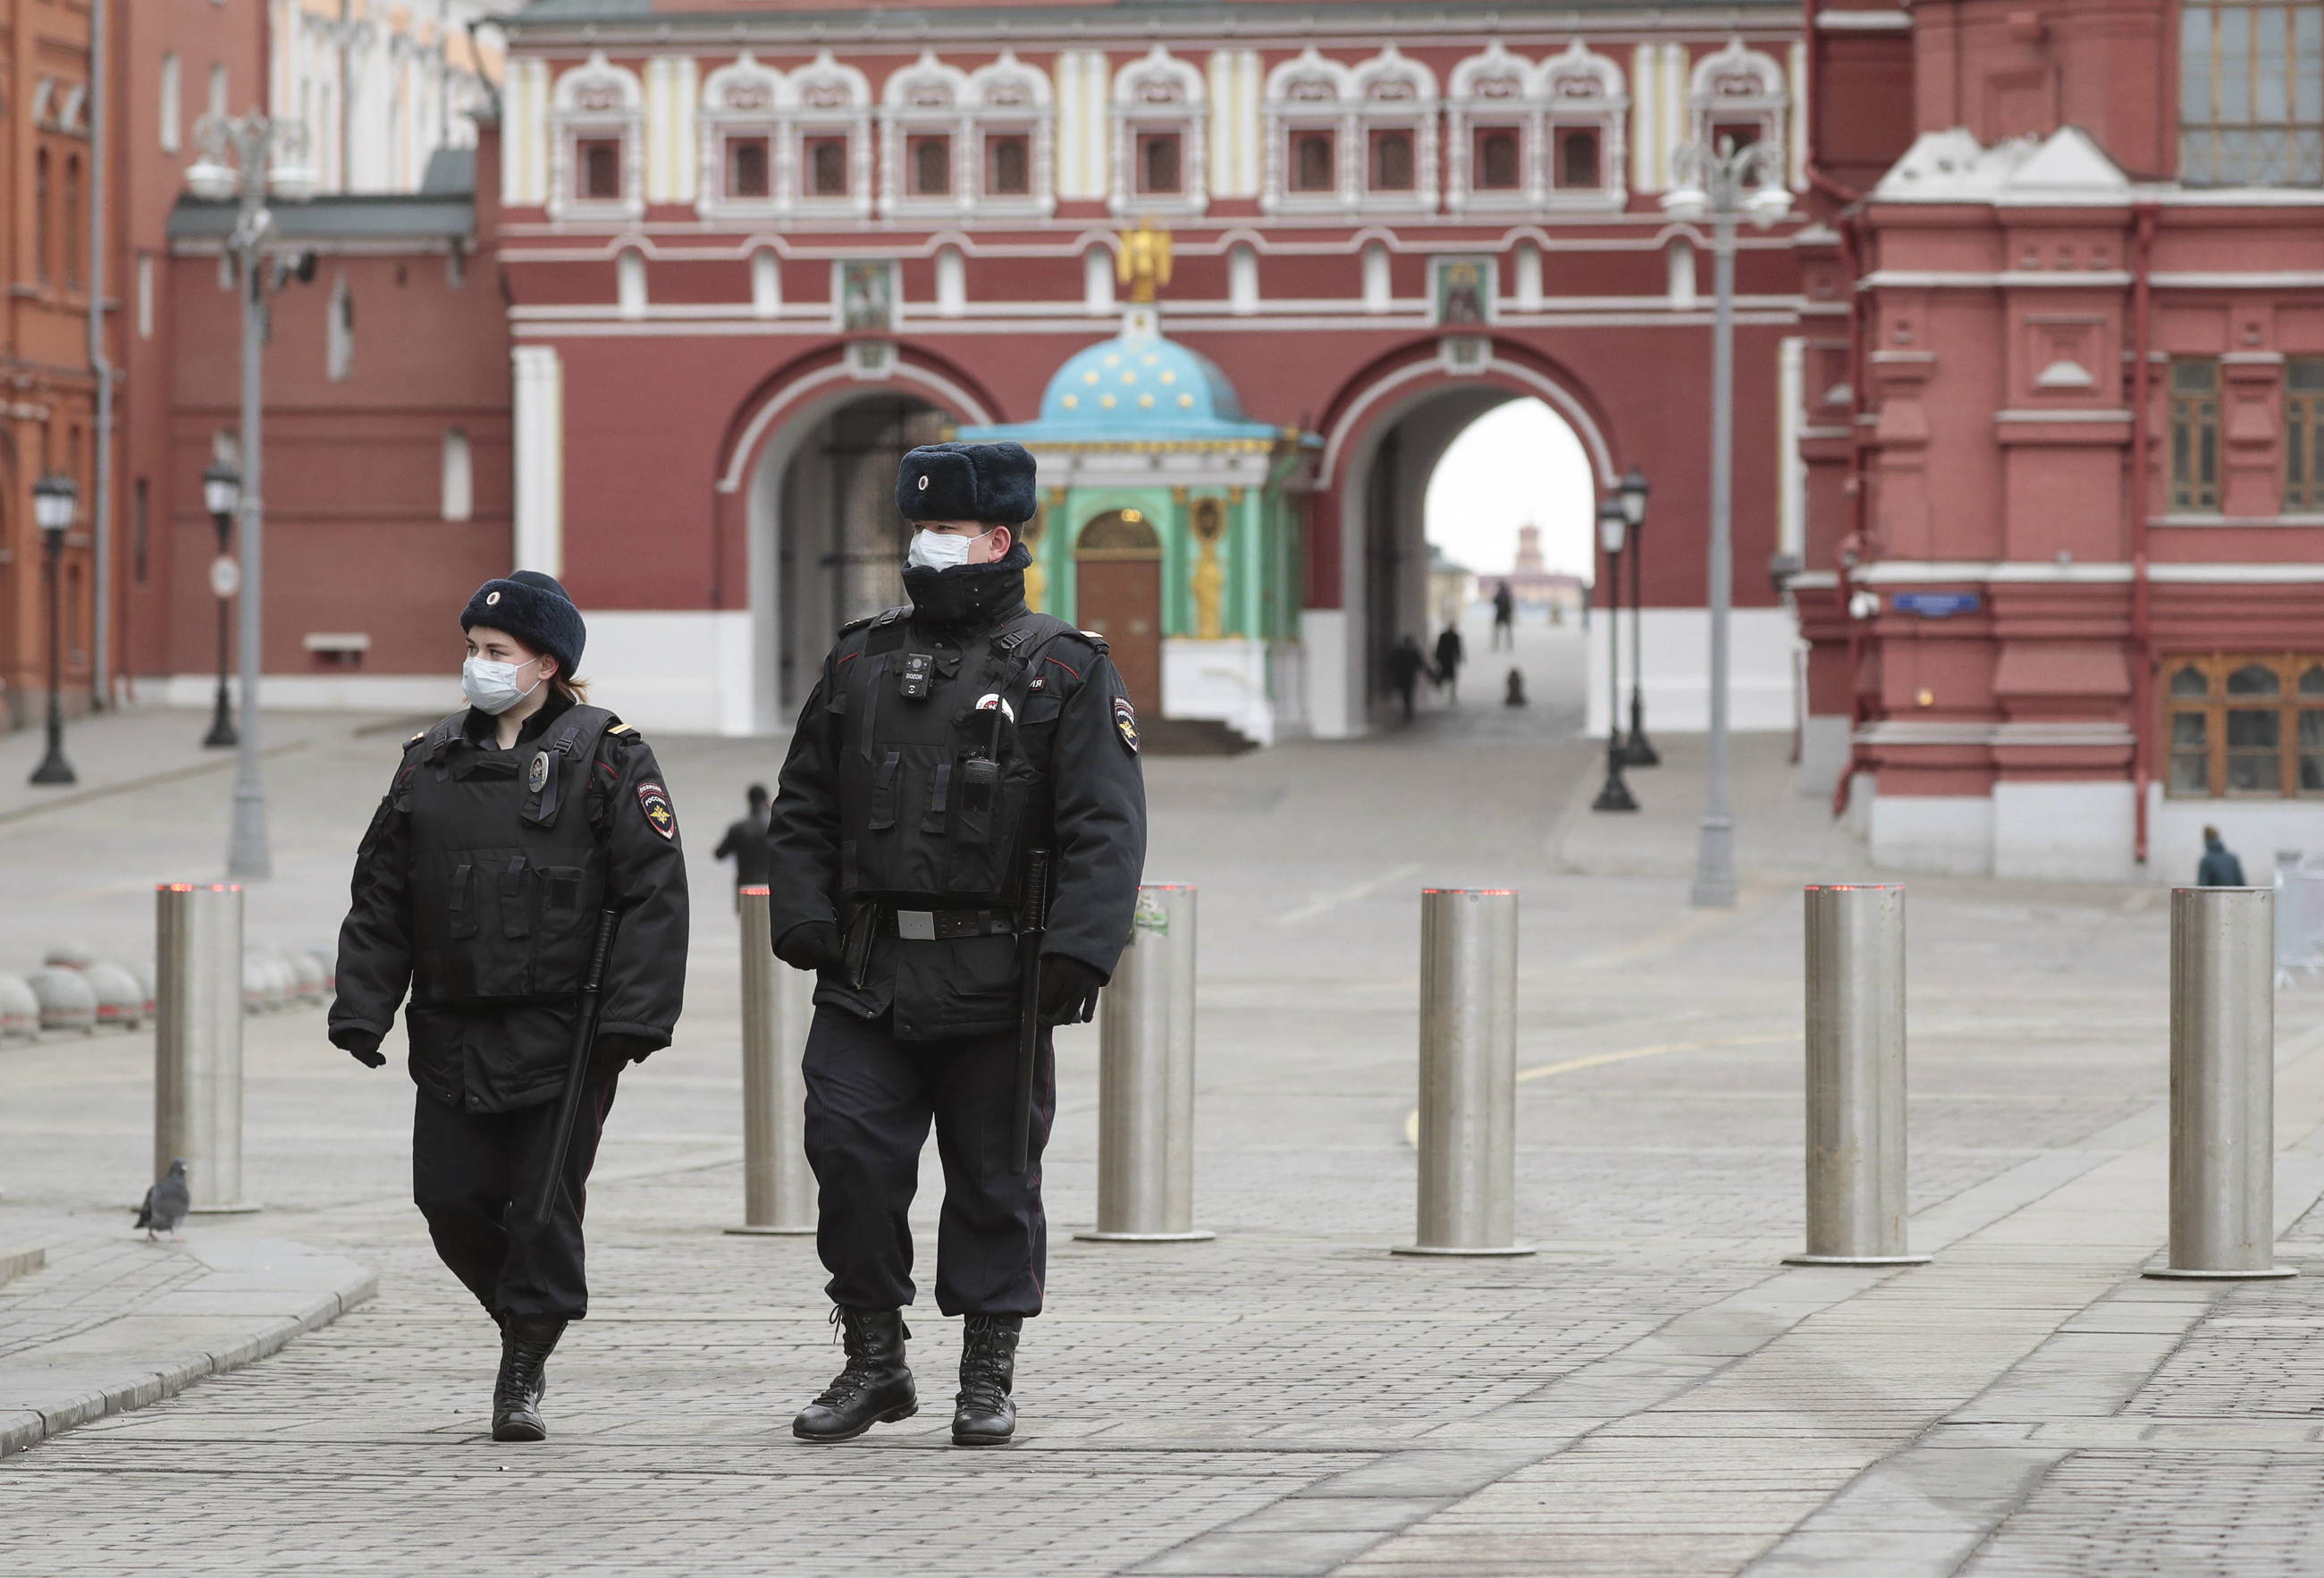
1396,93
596,99
1489,91
1582,87
743,98
1159,92
1309,92
924,98
828,98
1007,97
1738,84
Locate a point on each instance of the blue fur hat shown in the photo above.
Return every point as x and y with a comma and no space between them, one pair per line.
533,608
966,482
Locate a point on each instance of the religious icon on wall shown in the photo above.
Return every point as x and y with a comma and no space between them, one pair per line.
867,295
1464,291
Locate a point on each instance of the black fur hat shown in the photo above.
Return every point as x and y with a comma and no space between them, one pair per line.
966,482
533,608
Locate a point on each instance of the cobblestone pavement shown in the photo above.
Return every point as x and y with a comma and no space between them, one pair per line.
1652,1393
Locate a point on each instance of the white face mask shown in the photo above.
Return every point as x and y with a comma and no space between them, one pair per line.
939,550
491,687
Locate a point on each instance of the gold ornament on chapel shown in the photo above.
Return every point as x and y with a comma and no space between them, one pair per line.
1143,263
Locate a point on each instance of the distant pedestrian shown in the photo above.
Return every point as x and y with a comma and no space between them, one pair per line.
509,828
1406,665
746,844
1505,617
1451,651
2218,868
1514,696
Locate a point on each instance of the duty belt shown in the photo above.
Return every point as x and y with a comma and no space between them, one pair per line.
944,925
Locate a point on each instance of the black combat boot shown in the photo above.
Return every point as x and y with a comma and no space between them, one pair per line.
983,1415
876,1387
526,1343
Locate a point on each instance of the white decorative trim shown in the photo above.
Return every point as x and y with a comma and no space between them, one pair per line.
746,446
593,101
538,400
1601,453
1738,84
1159,92
1864,21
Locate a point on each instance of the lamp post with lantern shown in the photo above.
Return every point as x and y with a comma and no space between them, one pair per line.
1725,184
1613,531
221,495
1638,750
55,499
247,157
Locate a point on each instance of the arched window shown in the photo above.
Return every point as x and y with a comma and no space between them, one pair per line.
458,480
1396,106
923,111
1739,97
1160,115
1586,109
739,126
828,129
1012,121
599,111
339,348
1494,120
1311,121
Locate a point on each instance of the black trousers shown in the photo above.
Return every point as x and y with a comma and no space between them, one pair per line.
474,1177
870,1099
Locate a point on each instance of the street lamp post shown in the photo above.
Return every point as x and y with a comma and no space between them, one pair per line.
1638,750
246,156
55,500
1725,183
1613,528
222,493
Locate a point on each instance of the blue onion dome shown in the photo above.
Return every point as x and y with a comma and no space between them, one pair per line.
1140,385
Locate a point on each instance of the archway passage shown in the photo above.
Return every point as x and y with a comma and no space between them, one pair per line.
827,545
1118,594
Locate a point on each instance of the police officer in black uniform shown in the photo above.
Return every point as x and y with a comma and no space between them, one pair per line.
509,829
959,758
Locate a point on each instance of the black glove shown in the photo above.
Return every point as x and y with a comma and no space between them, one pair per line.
613,1052
361,1045
1069,990
811,944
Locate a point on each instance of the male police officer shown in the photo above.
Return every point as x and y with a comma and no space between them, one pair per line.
960,760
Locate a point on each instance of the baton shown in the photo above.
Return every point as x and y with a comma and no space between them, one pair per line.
576,1076
1028,1010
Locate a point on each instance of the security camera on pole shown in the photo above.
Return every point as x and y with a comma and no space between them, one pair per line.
247,156
1724,184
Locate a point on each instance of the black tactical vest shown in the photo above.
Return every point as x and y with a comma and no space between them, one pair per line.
937,796
507,875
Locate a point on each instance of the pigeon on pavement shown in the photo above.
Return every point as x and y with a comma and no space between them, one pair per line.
165,1204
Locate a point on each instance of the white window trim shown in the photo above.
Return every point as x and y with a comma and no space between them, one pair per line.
1418,114
1309,92
1467,112
1599,103
942,112
851,120
1030,113
573,121
722,117
1736,84
1188,114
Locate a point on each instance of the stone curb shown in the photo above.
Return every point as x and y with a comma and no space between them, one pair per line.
15,1263
21,1427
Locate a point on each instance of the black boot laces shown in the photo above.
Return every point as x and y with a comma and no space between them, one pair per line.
854,1380
983,1380
525,1383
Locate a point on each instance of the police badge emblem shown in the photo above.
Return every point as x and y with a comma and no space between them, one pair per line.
654,801
538,776
1125,723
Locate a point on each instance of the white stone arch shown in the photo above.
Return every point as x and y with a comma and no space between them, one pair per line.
596,100
1159,94
828,98
1309,96
1007,97
1738,85
1393,92
1490,94
1585,92
926,98
743,98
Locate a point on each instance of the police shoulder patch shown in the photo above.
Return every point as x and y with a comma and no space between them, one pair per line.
1125,723
654,801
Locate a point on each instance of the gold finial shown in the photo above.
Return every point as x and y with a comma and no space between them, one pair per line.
1143,263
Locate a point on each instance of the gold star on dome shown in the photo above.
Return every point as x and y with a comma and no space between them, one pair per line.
1112,360
1151,359
1169,376
1090,377
1146,401
1106,401
1071,401
1186,400
1129,377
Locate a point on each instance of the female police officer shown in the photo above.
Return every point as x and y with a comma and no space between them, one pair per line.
509,829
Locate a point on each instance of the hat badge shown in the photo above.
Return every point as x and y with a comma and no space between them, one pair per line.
924,482
491,598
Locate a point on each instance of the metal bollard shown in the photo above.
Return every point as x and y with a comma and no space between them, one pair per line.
1467,1073
1146,1079
1856,1203
777,1187
198,1040
2222,1085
